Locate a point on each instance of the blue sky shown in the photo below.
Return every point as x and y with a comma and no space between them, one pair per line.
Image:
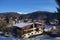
27,5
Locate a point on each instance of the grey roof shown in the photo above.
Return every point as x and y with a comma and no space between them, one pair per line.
22,24
48,26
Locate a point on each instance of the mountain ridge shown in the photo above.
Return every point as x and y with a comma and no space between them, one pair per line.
32,15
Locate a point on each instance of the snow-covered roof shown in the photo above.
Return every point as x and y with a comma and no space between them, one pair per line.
38,23
48,26
22,24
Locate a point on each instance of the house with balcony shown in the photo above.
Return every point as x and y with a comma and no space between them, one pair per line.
28,29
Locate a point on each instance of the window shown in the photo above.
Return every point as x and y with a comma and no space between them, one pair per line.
38,31
28,34
24,35
31,33
35,32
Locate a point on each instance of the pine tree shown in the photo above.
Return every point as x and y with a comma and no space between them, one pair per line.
58,14
58,10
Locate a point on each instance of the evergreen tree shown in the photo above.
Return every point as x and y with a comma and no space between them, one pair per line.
58,9
7,19
58,13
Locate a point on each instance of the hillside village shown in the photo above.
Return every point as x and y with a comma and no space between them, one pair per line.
49,20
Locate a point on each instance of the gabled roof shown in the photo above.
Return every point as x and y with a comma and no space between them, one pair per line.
22,24
38,23
47,26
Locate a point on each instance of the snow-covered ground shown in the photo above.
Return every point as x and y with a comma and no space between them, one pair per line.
40,37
